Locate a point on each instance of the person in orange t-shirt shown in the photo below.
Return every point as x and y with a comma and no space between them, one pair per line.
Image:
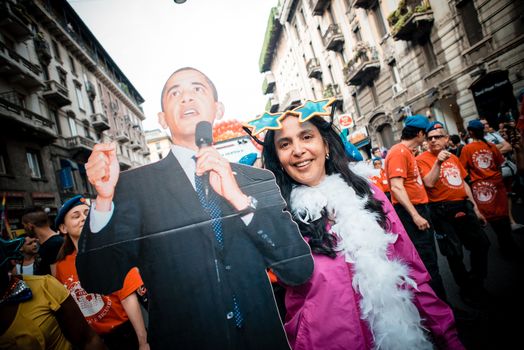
117,317
482,160
409,196
455,216
381,181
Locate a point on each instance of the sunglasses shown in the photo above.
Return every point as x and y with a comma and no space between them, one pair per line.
436,137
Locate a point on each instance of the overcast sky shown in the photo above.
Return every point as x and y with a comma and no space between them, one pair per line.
149,39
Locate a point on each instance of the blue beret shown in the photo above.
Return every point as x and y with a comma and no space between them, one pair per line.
475,124
434,126
417,121
66,207
248,159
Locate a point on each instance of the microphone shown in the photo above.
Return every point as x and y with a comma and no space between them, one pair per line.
204,138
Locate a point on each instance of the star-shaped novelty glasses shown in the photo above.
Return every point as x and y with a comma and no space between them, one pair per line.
10,250
304,112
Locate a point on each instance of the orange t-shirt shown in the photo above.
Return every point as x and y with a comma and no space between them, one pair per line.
381,181
102,312
400,162
481,160
450,184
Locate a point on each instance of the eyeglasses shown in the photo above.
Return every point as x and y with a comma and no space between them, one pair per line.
435,137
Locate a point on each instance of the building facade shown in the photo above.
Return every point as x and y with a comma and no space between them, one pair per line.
60,93
159,144
453,60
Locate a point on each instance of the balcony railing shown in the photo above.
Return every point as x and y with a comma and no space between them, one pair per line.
411,21
81,143
313,68
145,151
318,6
56,93
14,20
100,122
331,90
333,38
268,86
272,104
122,136
363,67
18,69
17,113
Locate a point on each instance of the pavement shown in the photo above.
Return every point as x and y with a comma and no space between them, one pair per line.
500,325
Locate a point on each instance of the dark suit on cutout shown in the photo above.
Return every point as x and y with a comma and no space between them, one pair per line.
160,226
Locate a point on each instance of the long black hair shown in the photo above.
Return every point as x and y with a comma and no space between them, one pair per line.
320,240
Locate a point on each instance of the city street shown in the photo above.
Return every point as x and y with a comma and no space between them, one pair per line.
499,325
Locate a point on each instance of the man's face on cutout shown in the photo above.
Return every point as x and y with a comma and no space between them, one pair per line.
188,99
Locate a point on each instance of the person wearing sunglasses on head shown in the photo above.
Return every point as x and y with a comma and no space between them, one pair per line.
455,215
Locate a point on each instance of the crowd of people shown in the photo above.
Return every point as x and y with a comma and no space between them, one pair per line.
352,256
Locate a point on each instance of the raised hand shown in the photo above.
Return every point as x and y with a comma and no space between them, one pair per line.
103,170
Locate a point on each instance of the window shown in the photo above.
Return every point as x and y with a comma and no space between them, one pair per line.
33,160
470,20
356,32
158,146
54,116
72,126
92,106
159,155
373,90
379,20
62,76
429,54
56,51
395,74
72,64
79,98
356,104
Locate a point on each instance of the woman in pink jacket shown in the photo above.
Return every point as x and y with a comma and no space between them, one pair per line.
369,289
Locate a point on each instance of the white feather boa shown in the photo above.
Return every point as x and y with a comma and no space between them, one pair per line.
387,306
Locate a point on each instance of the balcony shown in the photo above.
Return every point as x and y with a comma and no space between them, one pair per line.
268,86
364,4
333,38
79,143
272,105
42,49
125,162
122,136
411,21
100,122
145,151
19,70
313,68
363,67
28,122
318,6
333,91
56,93
14,20
135,145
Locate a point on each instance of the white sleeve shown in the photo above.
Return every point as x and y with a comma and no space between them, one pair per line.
99,219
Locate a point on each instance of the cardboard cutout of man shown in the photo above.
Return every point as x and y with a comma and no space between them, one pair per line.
206,273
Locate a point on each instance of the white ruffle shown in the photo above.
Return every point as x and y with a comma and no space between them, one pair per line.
386,302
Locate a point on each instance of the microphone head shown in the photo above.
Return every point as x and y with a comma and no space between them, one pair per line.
204,134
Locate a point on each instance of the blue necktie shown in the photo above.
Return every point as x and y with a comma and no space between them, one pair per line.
211,205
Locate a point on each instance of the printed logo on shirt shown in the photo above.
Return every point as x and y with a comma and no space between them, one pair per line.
94,307
450,175
484,192
482,158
